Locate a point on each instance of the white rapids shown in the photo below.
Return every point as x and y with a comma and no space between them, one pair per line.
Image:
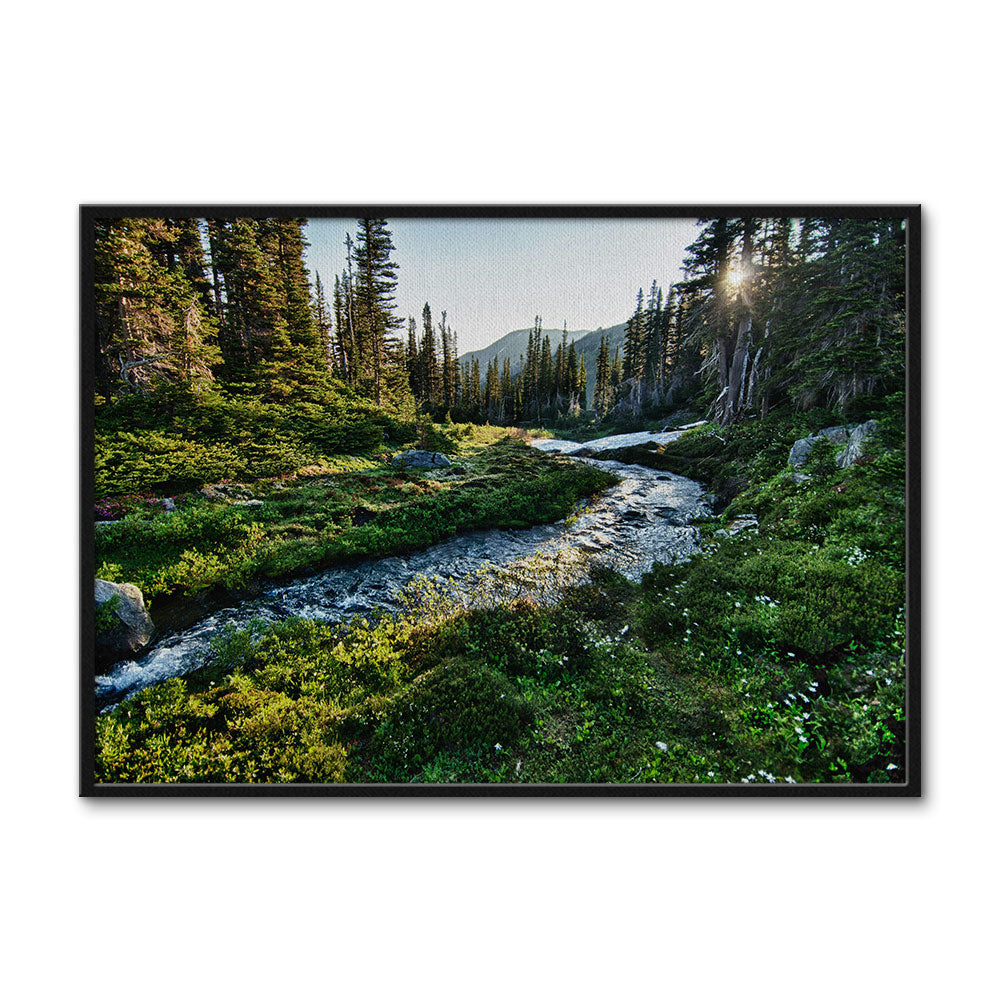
645,518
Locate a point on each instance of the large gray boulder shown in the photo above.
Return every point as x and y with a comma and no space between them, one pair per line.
420,460
855,444
801,449
124,627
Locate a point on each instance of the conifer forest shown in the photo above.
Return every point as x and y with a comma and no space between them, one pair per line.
339,541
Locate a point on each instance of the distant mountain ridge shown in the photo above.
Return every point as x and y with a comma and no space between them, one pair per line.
512,345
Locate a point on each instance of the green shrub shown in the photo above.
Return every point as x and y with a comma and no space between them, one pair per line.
459,704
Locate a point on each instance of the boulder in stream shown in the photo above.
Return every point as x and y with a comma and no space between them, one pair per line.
123,623
421,460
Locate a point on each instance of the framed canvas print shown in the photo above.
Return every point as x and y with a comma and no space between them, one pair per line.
500,500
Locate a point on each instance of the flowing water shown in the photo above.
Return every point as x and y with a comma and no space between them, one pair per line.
644,519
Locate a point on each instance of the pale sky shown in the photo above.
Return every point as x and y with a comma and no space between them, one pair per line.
495,275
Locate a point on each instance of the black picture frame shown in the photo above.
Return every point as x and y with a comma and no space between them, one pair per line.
911,787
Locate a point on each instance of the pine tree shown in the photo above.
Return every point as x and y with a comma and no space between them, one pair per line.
563,384
294,361
709,290
324,324
449,360
616,378
354,347
850,322
602,386
376,297
154,322
573,378
283,240
507,414
475,391
635,341
492,396
429,368
652,367
412,357
252,324
339,328
734,399
545,375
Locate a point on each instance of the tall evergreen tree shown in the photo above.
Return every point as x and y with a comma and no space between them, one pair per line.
354,346
602,386
376,297
492,393
253,325
429,368
475,390
324,324
616,377
339,328
573,378
508,414
635,341
412,357
449,362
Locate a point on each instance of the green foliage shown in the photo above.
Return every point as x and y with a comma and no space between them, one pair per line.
166,442
460,704
191,550
106,618
324,519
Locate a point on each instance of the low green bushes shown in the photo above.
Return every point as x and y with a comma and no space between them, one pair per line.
321,520
172,441
190,550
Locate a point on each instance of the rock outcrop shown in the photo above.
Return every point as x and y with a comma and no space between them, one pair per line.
123,623
855,445
420,460
226,491
853,435
801,449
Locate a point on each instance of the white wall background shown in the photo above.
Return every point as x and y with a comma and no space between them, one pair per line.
635,102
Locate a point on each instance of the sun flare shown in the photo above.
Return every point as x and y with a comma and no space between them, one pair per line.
735,277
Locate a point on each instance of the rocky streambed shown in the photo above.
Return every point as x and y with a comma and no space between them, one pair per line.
646,518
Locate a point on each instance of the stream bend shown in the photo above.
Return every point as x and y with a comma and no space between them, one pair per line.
646,518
